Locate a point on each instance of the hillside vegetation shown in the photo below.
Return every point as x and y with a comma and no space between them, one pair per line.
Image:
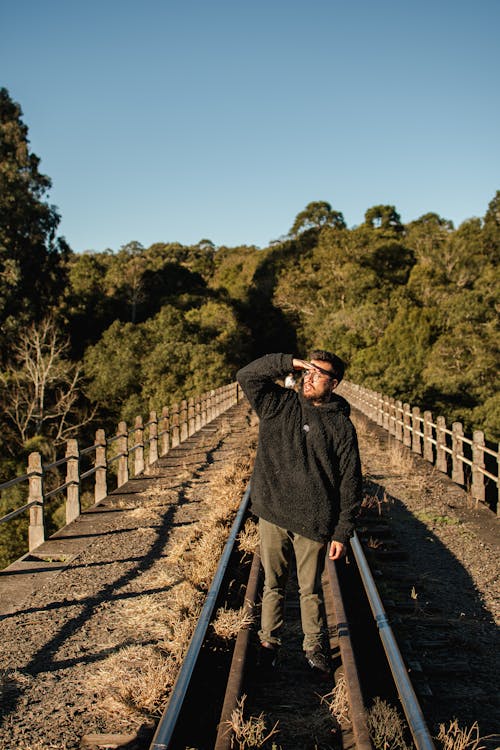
90,338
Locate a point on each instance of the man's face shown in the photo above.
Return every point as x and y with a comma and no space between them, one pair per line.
317,386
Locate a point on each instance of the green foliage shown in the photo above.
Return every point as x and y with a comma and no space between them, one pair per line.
413,310
234,270
31,272
394,364
112,366
383,218
316,215
177,353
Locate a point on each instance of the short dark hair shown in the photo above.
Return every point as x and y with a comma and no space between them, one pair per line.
338,366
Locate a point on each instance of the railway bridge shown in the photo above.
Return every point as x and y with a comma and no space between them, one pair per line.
98,619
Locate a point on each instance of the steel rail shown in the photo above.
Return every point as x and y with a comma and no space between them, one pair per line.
225,733
407,696
357,713
170,716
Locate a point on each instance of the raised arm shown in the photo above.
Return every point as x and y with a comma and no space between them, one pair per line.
258,381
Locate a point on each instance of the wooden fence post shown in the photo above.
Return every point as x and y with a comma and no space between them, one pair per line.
165,431
138,446
441,460
101,464
153,438
36,531
478,463
416,421
457,465
73,480
399,421
123,451
191,417
406,425
204,407
197,414
183,420
428,445
392,416
373,397
176,434
385,412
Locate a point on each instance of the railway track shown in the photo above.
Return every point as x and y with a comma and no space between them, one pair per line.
222,699
50,688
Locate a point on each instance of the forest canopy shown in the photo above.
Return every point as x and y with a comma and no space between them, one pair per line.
88,339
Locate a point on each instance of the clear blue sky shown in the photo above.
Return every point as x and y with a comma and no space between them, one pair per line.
177,120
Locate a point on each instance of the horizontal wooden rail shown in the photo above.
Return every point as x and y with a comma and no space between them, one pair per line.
134,449
445,447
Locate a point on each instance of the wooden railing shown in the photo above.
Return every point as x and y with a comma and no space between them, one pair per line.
469,461
133,449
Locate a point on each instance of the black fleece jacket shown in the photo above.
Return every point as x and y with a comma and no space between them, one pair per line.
307,474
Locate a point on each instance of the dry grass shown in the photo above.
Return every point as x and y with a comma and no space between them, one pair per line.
338,703
251,732
373,502
202,564
248,538
399,456
456,738
228,622
136,679
386,727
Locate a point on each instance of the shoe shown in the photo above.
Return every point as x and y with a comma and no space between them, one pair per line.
268,656
317,660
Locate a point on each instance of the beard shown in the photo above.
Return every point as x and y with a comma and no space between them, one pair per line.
314,397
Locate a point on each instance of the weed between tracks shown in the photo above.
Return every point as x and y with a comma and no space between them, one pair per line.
386,727
228,622
248,538
251,732
456,738
338,702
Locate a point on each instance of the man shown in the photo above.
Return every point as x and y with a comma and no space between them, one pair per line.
306,486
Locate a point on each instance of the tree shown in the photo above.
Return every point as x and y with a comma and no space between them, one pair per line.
491,228
383,218
31,272
126,275
87,307
41,390
112,367
317,215
177,353
234,270
427,234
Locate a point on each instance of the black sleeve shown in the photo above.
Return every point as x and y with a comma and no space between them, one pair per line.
258,382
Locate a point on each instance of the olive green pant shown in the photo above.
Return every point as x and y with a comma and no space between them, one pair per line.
276,548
